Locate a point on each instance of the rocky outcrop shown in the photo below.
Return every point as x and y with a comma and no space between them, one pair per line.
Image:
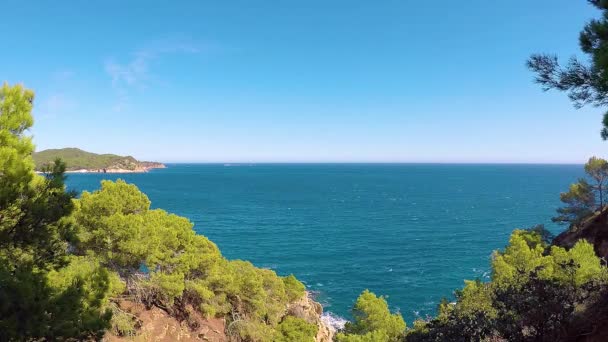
156,325
151,165
593,229
309,310
115,169
77,160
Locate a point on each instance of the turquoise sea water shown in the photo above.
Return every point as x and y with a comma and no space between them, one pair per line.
412,232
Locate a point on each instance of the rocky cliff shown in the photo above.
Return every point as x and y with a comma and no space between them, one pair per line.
157,325
77,160
309,310
593,229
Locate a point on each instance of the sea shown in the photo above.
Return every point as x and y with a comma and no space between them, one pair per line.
410,232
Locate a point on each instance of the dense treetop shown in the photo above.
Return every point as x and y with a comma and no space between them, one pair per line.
35,240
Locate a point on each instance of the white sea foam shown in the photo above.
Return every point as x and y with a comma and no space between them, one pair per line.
334,322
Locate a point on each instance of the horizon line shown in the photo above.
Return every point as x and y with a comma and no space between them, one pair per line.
368,162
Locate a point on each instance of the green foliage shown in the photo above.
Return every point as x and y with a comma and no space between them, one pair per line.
247,330
519,261
421,327
98,283
372,336
62,261
117,227
123,323
293,329
373,319
77,159
513,267
34,239
95,286
579,265
116,224
31,206
539,235
582,198
15,149
293,288
475,299
597,169
584,83
580,203
534,295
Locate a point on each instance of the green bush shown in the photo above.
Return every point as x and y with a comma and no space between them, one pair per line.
165,263
293,329
373,320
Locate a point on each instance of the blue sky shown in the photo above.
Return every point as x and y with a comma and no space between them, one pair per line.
300,81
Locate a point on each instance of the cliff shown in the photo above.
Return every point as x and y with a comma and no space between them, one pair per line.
78,160
594,325
309,310
155,324
594,230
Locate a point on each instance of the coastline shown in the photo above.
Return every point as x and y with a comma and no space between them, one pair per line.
136,170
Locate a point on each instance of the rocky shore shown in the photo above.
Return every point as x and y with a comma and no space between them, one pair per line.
79,161
311,311
139,169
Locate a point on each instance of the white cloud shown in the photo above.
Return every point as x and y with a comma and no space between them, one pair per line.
132,73
55,105
136,72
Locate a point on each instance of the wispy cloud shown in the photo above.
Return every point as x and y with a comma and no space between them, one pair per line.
132,73
136,72
58,99
62,76
54,105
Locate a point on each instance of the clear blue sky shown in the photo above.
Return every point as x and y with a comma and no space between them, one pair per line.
311,81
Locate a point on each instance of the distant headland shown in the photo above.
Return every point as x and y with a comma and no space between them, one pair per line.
78,160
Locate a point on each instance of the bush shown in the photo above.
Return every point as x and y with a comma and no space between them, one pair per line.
372,319
293,329
165,263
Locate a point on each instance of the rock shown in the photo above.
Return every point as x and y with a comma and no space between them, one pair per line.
156,325
593,229
309,310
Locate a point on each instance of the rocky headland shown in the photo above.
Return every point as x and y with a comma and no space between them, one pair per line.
79,161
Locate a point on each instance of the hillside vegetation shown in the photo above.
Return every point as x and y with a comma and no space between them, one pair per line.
68,265
70,268
77,159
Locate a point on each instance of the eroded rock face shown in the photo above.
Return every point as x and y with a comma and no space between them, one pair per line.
158,326
309,310
594,230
